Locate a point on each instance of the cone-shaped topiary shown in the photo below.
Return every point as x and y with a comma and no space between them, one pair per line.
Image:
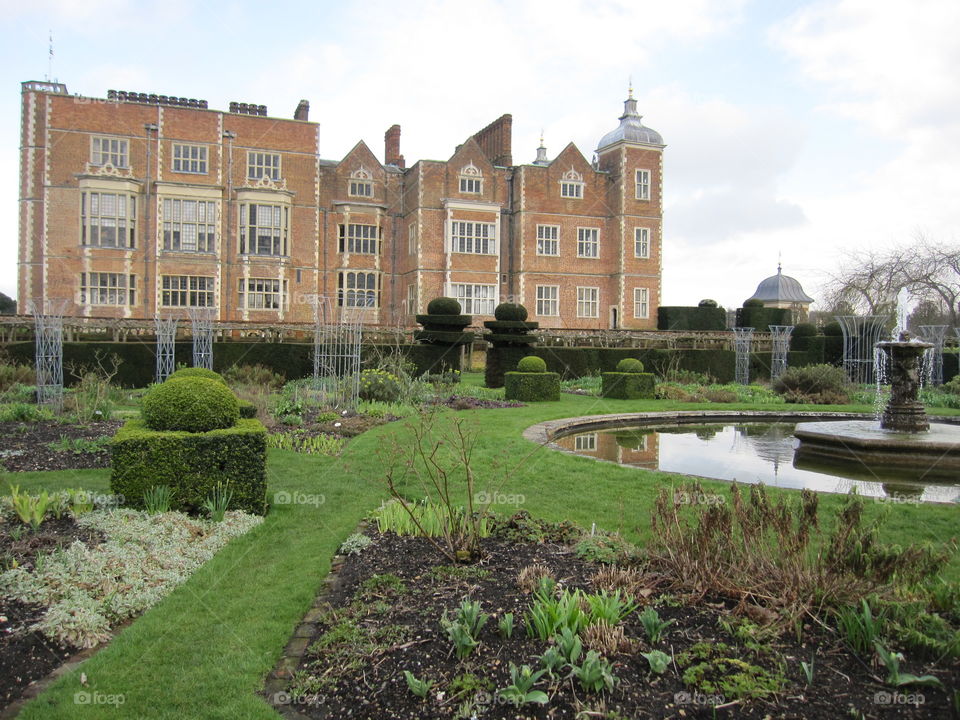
630,365
531,364
192,404
510,311
444,306
196,372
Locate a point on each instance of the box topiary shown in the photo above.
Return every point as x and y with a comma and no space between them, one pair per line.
531,386
196,372
191,404
247,409
191,464
444,306
628,385
510,312
532,364
630,365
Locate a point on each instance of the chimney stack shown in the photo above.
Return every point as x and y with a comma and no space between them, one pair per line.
391,143
303,111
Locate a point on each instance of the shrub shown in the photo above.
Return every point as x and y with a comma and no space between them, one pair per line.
191,464
11,375
630,365
708,303
444,306
628,385
192,404
833,329
821,384
247,409
510,311
379,385
196,372
532,364
952,387
24,412
531,387
753,303
257,375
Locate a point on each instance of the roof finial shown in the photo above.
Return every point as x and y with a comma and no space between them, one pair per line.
541,137
779,259
630,90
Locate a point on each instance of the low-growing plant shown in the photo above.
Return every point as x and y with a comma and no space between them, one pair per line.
658,660
808,668
653,625
891,661
379,385
528,579
461,637
470,616
520,692
30,509
595,673
609,608
606,639
549,615
505,626
602,548
553,661
157,499
355,544
12,374
256,375
24,412
820,384
858,627
420,688
81,501
80,445
569,645
217,501
306,444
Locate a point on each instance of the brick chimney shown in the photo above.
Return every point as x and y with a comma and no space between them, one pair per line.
495,140
391,144
303,111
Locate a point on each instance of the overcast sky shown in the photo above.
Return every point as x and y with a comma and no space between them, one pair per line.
806,129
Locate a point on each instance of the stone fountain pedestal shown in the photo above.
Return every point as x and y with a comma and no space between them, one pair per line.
904,413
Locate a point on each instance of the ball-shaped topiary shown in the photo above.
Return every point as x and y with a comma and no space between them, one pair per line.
193,404
443,306
707,302
510,311
752,303
833,329
532,364
196,372
630,365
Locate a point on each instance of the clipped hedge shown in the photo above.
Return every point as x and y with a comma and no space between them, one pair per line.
191,403
673,317
531,387
192,464
628,385
197,372
247,409
760,318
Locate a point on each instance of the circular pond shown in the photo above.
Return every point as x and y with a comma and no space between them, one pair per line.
746,451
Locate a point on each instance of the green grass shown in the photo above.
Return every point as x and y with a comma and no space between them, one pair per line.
204,651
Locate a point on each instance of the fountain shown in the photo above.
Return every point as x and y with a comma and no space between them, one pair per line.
904,437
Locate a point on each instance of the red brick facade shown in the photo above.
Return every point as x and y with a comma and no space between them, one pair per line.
133,208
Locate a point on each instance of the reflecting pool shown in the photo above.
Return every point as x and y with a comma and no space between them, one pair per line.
755,452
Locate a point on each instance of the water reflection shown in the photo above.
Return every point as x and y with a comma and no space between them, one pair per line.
750,453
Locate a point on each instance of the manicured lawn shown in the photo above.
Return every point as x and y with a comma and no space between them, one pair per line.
204,651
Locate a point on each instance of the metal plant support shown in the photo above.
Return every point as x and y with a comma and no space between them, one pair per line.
336,352
48,335
780,335
166,329
743,342
201,322
861,333
933,358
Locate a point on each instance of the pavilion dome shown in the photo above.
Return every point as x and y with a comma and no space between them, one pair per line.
631,129
780,288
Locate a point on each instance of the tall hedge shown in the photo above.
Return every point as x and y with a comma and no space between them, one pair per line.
761,318
672,317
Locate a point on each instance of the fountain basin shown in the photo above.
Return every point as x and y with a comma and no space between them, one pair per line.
863,441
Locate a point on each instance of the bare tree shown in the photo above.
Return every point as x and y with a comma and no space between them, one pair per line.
869,280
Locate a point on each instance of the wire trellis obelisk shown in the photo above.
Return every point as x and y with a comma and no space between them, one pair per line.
166,330
201,325
780,335
933,358
742,343
336,352
48,336
861,333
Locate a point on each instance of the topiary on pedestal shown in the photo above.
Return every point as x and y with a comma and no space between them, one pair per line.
510,337
531,382
443,328
629,382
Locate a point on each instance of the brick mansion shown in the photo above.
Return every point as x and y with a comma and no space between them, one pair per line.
140,205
